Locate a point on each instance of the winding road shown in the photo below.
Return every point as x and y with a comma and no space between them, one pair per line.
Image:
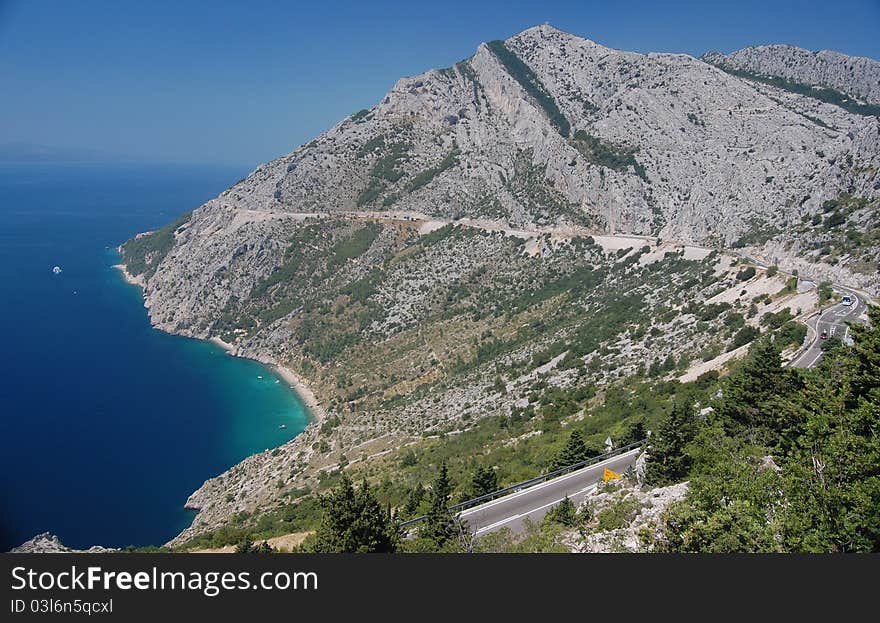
832,321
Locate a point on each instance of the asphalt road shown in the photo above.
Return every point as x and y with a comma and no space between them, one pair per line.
511,511
833,321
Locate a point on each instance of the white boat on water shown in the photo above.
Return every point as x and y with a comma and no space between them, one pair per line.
56,270
283,426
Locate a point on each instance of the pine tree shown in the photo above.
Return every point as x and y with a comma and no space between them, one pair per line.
667,460
634,432
866,354
354,521
484,481
833,472
440,525
416,494
564,513
754,398
574,451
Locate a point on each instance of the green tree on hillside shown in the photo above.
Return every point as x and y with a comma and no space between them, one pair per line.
440,524
575,451
755,396
866,358
354,521
814,486
564,513
413,500
484,481
634,432
733,502
668,461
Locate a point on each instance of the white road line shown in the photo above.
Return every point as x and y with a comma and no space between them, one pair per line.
534,510
815,359
543,485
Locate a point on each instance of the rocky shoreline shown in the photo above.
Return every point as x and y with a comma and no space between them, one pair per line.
209,499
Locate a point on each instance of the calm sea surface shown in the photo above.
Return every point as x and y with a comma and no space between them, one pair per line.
106,425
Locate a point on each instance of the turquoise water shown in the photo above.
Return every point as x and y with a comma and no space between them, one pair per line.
107,425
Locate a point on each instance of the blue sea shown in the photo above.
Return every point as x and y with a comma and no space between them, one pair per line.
107,425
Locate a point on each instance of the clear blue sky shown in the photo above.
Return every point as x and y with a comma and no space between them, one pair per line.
243,82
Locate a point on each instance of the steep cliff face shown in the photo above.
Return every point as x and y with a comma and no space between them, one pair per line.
456,233
856,76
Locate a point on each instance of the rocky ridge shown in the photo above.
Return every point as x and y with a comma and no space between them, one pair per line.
856,76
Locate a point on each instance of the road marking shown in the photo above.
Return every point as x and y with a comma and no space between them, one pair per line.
815,359
544,484
534,510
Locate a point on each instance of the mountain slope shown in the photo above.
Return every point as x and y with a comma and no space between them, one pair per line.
857,76
443,256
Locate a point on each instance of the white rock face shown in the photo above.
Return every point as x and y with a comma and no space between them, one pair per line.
856,76
47,543
649,505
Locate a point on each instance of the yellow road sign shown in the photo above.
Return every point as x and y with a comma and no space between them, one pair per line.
610,475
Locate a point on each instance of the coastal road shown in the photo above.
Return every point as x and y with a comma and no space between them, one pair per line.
833,321
533,503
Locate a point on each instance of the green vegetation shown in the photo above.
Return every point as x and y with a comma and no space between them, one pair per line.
847,228
143,254
823,94
440,528
564,513
386,166
360,116
825,292
790,459
353,247
575,451
746,273
370,193
600,153
676,430
758,235
484,481
425,177
529,81
352,521
385,169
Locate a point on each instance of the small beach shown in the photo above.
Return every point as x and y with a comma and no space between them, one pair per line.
296,382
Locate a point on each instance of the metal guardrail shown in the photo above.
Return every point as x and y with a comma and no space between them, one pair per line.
526,484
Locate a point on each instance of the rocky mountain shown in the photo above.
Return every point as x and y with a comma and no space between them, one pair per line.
47,543
856,76
548,215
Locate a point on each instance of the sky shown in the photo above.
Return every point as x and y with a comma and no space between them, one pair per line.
240,83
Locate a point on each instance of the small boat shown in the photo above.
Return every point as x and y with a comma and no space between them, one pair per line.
283,426
259,376
56,270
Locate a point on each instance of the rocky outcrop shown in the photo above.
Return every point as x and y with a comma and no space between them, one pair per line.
47,543
635,511
857,76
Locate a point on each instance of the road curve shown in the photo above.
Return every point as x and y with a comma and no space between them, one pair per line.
533,503
833,321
